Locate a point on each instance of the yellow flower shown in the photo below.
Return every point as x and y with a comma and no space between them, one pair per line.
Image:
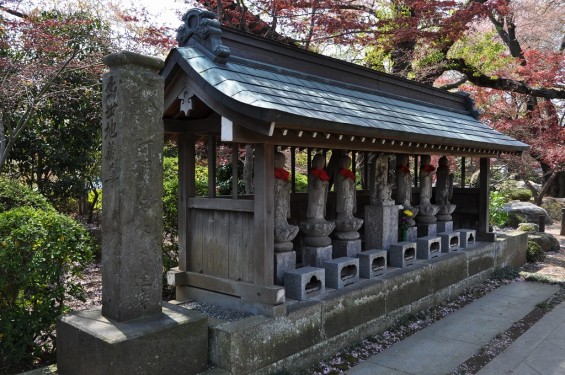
407,213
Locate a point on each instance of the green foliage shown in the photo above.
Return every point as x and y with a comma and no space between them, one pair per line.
553,208
201,179
497,216
13,194
224,179
535,252
523,195
40,251
505,273
514,220
170,217
301,183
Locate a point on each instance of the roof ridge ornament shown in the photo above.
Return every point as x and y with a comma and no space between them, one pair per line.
201,30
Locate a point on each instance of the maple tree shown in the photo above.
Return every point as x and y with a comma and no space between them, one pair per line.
486,47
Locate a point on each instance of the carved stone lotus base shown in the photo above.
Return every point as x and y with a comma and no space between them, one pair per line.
317,234
284,234
445,211
427,214
347,229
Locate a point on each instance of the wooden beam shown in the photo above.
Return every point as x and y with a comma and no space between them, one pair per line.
293,169
463,167
211,165
221,204
187,189
234,170
263,244
273,295
202,126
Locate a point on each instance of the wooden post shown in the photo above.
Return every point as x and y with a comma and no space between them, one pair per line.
293,169
234,170
187,189
483,233
462,172
416,170
211,166
263,244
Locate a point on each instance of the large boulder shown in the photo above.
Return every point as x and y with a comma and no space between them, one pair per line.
527,211
546,241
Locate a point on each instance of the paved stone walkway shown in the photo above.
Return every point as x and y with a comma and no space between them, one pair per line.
444,345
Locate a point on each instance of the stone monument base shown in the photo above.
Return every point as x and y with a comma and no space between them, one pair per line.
426,230
372,263
381,226
444,226
315,256
467,237
341,272
402,254
304,283
172,342
284,262
428,247
343,248
449,242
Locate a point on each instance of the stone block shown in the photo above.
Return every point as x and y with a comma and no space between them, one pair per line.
426,230
314,256
284,262
341,272
467,237
381,226
172,342
444,226
402,254
304,283
428,247
449,242
372,263
346,248
412,234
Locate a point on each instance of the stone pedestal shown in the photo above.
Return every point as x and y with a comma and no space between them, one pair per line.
402,254
467,237
284,262
304,283
314,256
444,226
412,235
342,248
428,247
426,230
372,263
449,242
381,226
174,341
341,272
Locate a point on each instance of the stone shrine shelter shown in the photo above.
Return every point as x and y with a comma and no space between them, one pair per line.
222,85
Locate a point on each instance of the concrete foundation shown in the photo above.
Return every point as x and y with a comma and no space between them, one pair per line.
172,342
284,262
343,248
372,263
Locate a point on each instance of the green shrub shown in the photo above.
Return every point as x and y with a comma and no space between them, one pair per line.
505,273
170,219
201,179
40,251
497,216
514,220
553,208
535,252
13,194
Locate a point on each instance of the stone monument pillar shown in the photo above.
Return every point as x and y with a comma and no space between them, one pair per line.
285,257
444,192
403,198
316,229
381,216
426,218
346,241
133,331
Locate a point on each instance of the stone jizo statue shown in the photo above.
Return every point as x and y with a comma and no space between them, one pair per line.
346,224
284,233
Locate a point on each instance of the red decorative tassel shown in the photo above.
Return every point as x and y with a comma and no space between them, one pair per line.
404,169
428,168
282,174
320,173
347,173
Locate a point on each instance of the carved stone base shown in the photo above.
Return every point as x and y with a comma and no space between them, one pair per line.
425,230
317,234
346,248
314,256
381,226
402,254
341,272
284,262
444,226
428,247
304,283
467,237
449,242
372,263
283,247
